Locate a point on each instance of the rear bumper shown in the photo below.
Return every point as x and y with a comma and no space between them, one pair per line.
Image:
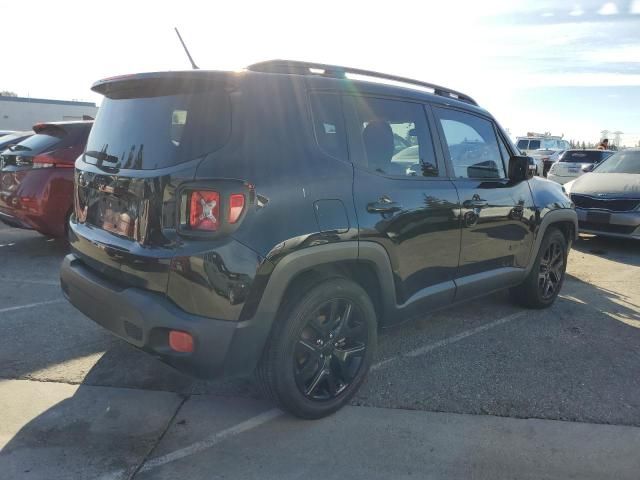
144,319
615,224
558,179
37,199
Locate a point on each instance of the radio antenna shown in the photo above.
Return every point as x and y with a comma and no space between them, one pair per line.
186,50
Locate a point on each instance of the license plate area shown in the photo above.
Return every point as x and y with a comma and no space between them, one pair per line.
115,214
599,217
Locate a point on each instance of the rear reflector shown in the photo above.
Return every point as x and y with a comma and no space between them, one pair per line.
236,205
180,341
204,212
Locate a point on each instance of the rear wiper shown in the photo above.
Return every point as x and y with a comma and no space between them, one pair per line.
19,148
101,156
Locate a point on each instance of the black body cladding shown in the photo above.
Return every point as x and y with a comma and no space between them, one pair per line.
416,236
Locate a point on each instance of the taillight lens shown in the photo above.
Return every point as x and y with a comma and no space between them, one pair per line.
236,206
204,211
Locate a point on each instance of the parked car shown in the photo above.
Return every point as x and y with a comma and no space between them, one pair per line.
257,222
607,200
13,138
572,163
549,160
542,148
36,177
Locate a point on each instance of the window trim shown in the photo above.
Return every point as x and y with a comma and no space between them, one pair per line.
350,113
445,145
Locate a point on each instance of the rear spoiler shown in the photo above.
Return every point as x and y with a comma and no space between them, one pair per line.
59,128
160,83
49,127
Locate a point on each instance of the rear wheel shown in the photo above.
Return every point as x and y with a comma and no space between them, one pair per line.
545,280
320,350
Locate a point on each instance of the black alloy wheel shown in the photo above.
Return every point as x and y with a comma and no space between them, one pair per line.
544,281
551,270
330,350
321,347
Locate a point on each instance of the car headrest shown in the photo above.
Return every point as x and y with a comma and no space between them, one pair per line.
378,143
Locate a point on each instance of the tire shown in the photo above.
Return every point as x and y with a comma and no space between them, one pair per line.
535,292
320,350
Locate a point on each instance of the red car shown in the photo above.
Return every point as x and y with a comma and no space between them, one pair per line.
36,177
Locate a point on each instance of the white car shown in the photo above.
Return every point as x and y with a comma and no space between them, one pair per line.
541,149
574,163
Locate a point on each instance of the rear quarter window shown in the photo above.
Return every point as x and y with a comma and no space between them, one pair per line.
328,124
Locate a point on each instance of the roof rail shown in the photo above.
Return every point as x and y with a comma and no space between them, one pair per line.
336,71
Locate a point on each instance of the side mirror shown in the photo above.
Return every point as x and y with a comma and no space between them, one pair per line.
588,168
521,168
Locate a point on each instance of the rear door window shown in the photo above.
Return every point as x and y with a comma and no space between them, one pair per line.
159,131
392,137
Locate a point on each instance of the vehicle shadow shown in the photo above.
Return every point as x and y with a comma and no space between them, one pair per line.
620,250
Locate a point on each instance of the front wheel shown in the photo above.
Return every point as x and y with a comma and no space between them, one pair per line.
320,350
545,280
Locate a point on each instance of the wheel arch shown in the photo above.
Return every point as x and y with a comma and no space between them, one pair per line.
365,263
565,219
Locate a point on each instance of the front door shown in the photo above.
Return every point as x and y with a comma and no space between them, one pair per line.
497,215
403,199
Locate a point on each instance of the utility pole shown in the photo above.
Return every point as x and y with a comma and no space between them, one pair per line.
616,140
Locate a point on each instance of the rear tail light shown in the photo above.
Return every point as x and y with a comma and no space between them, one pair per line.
204,211
209,210
236,206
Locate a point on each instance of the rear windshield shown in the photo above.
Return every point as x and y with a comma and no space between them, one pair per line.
53,137
583,157
159,131
523,144
11,138
40,142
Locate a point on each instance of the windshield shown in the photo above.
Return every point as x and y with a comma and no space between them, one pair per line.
534,144
621,162
157,132
581,156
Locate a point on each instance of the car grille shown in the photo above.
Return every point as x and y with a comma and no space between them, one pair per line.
610,204
606,227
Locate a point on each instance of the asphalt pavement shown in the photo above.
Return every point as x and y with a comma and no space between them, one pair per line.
483,390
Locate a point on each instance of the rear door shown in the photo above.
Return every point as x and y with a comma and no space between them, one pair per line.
403,199
497,215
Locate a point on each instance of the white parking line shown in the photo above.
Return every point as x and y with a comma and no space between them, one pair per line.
448,341
209,442
35,282
264,417
200,446
31,305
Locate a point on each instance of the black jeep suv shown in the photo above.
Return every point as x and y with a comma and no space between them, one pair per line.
269,221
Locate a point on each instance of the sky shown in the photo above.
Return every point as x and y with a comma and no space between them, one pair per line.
569,68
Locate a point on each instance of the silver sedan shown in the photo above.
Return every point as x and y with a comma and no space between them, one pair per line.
607,199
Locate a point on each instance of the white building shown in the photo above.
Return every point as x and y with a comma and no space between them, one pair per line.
19,113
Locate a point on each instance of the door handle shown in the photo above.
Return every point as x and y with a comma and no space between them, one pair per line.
383,205
476,203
